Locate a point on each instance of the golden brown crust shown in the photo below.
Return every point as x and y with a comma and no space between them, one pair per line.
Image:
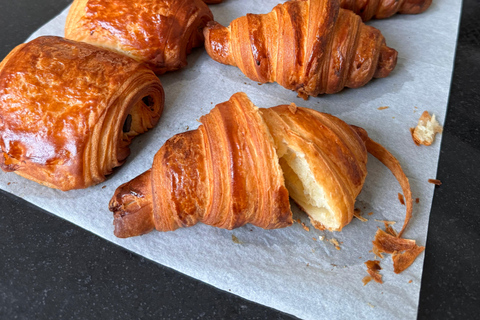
380,9
158,33
63,107
224,174
133,207
309,46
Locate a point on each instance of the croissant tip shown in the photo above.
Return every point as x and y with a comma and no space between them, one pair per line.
387,61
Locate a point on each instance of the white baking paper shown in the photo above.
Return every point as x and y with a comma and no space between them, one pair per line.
287,269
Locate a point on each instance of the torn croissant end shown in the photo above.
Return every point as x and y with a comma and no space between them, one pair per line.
242,163
426,129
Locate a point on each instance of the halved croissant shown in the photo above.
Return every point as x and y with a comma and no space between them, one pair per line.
69,110
237,166
381,9
159,33
309,46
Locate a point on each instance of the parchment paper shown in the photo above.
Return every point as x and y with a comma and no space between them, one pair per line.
287,269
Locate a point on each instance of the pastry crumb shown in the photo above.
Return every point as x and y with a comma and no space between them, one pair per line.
235,239
383,108
435,182
417,200
401,198
305,227
358,214
426,129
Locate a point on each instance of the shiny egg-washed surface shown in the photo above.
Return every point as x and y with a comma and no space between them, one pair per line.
159,33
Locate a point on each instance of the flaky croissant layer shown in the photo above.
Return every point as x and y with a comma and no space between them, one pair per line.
241,165
69,110
159,33
309,46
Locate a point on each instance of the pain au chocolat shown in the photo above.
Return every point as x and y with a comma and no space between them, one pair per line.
69,110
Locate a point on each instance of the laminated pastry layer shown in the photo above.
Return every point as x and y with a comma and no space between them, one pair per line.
159,33
68,111
323,160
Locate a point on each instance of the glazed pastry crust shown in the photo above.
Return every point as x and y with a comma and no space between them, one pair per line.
225,174
381,9
63,108
159,33
309,46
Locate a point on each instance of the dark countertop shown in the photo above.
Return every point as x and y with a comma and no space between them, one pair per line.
52,269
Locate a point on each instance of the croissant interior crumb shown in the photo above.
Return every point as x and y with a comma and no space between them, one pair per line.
302,187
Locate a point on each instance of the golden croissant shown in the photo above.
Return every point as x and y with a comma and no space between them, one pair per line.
241,165
379,9
309,46
69,110
159,33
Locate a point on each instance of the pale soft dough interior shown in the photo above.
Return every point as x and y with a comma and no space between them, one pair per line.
305,190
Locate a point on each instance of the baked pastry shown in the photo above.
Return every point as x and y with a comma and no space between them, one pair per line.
237,166
309,46
426,129
381,9
69,110
377,9
159,33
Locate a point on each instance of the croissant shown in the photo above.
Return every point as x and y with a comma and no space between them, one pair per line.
381,9
159,33
241,165
309,46
69,110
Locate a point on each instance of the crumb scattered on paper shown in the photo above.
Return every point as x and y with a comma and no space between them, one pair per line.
335,243
435,182
366,280
235,239
382,108
305,227
373,268
417,200
401,199
426,129
357,214
403,251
